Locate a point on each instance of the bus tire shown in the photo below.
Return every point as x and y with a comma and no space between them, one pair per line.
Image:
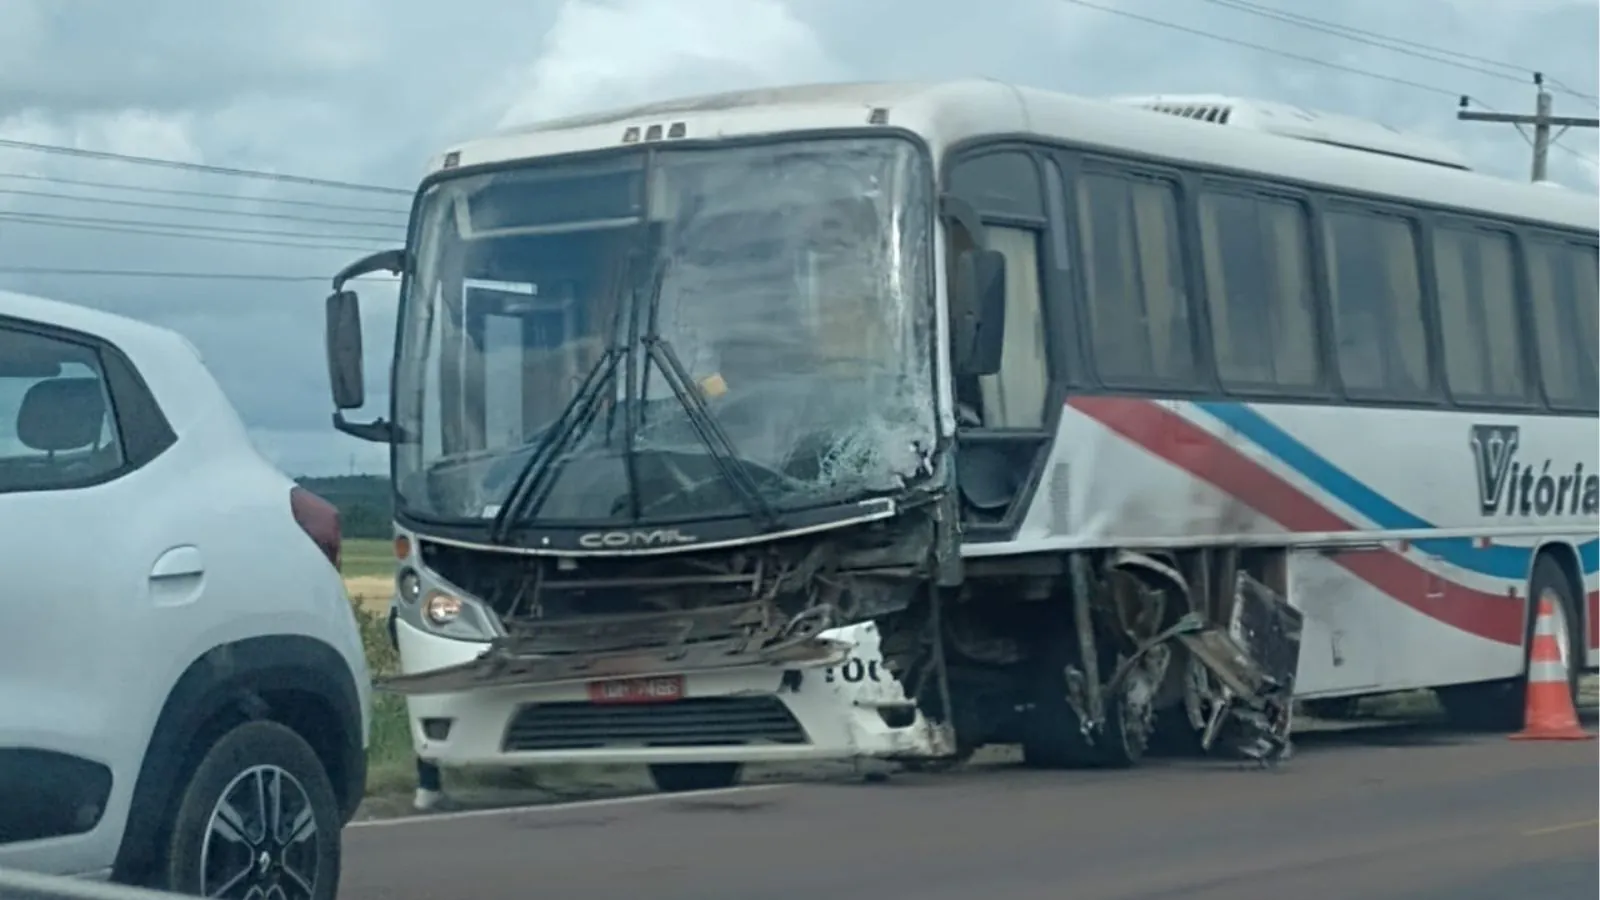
1052,732
1122,742
1502,705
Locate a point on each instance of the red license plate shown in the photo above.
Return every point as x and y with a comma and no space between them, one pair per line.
663,689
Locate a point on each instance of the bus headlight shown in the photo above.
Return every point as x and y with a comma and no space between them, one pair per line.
409,584
441,609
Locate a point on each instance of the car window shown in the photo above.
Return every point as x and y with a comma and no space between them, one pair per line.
57,428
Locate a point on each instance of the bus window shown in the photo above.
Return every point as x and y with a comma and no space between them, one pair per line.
1562,281
1134,281
1378,321
1478,314
1258,283
1585,267
1015,396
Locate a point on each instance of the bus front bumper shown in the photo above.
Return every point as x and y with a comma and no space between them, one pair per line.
831,699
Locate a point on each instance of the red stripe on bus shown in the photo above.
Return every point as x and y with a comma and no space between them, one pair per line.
1171,437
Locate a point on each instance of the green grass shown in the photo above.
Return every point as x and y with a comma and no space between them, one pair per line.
367,557
390,764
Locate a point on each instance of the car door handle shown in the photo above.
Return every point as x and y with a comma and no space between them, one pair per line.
178,562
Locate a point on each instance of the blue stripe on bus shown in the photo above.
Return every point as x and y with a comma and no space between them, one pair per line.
1497,561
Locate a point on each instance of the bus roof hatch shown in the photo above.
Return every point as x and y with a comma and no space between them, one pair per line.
1287,120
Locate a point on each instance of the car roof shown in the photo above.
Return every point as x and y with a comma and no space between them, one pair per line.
117,329
168,362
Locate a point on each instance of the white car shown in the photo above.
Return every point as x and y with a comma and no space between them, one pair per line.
184,698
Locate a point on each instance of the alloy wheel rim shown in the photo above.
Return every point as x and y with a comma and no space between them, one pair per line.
261,839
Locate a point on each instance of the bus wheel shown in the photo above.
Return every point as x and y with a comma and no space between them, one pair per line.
675,778
1052,733
1122,742
1502,705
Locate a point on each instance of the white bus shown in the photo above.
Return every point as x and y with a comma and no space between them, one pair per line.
896,419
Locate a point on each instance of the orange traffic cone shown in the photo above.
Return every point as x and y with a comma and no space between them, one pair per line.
1551,716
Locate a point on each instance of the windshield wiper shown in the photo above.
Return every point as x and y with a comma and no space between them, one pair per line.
633,397
722,452
532,484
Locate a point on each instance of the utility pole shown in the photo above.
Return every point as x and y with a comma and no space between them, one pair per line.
1541,120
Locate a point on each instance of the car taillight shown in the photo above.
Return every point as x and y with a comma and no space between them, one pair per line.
320,521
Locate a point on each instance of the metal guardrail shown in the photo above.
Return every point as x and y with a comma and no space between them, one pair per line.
15,885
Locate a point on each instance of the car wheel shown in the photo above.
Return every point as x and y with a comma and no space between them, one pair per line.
679,777
258,819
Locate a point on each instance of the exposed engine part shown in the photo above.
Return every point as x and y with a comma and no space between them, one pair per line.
1142,587
981,632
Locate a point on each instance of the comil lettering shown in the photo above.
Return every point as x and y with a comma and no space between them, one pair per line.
1511,486
619,540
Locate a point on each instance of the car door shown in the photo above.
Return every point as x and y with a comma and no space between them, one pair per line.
68,496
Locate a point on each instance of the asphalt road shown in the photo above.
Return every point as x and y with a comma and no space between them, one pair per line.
1410,812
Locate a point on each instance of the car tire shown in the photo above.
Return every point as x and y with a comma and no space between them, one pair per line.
676,778
260,808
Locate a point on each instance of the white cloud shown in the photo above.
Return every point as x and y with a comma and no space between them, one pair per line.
604,54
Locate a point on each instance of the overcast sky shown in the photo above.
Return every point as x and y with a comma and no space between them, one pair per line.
366,90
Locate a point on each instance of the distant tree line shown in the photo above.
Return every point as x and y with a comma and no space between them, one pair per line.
363,502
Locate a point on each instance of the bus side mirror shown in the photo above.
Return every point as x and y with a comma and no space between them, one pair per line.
346,374
979,325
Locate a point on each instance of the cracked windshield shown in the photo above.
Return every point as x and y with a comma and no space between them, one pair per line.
623,316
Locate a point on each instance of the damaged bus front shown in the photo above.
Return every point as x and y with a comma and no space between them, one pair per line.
675,479
664,415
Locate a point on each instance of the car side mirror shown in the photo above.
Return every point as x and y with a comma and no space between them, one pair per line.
346,372
978,330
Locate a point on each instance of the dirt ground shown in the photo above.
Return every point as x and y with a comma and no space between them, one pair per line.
372,592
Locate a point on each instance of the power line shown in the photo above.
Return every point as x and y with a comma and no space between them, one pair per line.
214,195
1542,119
1411,48
200,167
146,273
1579,154
178,207
195,236
216,229
1311,60
1405,82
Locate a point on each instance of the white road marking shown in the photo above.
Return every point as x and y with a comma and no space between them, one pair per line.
1570,826
431,818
